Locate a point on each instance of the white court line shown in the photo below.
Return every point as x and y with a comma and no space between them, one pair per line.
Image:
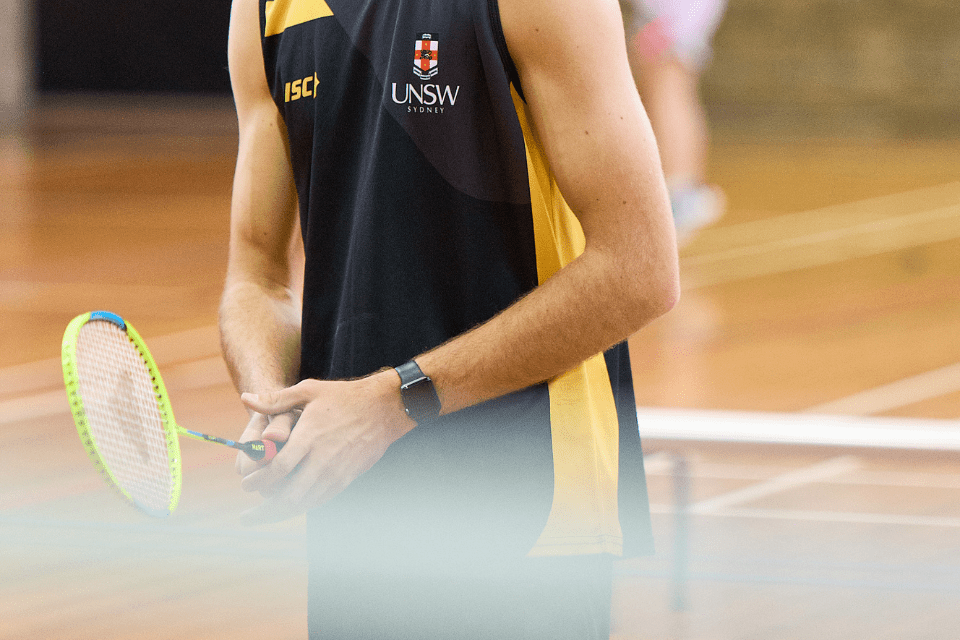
33,407
196,374
182,346
807,475
799,429
902,393
841,517
657,463
905,479
838,216
758,472
825,236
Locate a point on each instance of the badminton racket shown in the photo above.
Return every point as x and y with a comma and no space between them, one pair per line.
123,414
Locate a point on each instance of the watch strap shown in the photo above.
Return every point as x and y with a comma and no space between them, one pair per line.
420,399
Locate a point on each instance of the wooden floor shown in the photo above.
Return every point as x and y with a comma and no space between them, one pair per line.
832,285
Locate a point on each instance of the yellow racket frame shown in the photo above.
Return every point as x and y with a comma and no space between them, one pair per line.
170,429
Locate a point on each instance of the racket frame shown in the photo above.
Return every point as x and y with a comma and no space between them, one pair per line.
170,428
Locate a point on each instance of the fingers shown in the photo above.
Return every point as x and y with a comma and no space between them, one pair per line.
255,427
290,502
272,403
279,508
273,415
306,475
261,427
280,426
339,436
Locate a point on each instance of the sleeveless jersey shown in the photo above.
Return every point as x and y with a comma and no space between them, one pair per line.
426,208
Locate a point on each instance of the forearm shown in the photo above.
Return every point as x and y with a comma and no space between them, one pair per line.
260,336
260,307
586,308
604,160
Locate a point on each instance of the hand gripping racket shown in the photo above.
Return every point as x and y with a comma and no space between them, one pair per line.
123,415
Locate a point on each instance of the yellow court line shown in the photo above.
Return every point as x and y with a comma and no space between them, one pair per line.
824,236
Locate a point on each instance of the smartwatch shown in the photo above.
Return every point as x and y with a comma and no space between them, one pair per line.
419,396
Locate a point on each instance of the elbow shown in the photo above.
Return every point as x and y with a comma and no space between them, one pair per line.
653,293
657,275
670,288
637,287
667,297
662,295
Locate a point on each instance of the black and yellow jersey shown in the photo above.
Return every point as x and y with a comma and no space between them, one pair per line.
427,207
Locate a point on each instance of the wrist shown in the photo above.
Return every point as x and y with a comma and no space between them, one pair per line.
390,403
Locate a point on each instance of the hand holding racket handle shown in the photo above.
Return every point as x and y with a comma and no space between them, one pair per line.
256,449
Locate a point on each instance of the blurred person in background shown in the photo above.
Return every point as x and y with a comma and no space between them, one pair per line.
668,43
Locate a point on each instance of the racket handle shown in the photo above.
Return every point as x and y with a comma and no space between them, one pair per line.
262,449
255,449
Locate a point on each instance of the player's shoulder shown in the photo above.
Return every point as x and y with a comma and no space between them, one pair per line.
245,56
545,32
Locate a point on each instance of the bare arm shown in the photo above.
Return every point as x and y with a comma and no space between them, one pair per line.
259,313
600,146
260,310
602,151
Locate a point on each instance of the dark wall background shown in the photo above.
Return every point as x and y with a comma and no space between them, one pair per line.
132,46
804,67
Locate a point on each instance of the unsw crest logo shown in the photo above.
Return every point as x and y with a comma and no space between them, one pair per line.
425,98
425,56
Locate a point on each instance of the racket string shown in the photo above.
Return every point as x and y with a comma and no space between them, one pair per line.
120,399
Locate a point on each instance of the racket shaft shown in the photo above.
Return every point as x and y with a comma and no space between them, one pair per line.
256,449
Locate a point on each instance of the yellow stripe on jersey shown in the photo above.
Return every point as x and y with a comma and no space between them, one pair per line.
583,414
288,13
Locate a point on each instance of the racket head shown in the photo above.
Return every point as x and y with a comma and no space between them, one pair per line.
121,410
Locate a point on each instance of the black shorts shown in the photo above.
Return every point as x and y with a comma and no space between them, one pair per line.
556,598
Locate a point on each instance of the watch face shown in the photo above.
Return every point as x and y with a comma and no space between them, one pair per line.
419,395
420,399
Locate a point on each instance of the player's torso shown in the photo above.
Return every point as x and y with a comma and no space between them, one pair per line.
416,206
410,170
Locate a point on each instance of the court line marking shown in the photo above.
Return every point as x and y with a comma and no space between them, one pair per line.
32,407
24,295
23,497
759,472
658,463
798,241
692,425
835,216
172,348
164,528
839,517
808,475
903,479
897,584
901,393
197,374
